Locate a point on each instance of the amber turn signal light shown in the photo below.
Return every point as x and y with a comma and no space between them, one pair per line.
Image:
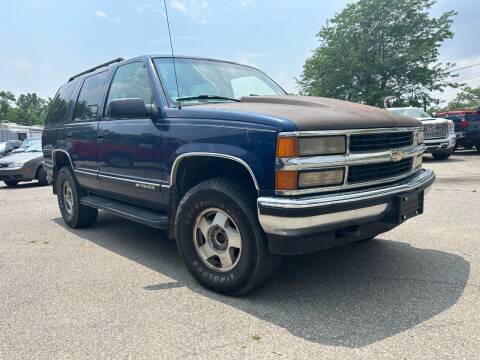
286,180
287,147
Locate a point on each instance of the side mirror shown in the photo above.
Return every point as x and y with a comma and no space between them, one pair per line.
129,108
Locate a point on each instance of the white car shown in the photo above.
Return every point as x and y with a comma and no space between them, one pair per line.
439,133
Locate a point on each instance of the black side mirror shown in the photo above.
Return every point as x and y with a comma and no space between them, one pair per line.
128,108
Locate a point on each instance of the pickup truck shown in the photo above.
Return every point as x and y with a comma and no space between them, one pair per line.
467,123
233,168
439,134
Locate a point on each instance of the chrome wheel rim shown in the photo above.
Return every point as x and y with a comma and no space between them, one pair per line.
67,197
217,240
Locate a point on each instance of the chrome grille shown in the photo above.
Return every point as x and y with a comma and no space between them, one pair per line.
378,171
381,141
435,131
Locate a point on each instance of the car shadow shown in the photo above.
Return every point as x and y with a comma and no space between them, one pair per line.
20,186
427,158
350,296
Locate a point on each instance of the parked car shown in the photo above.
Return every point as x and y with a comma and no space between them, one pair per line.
236,170
467,122
440,137
24,166
6,148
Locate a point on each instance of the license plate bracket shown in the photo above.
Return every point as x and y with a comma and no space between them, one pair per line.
409,205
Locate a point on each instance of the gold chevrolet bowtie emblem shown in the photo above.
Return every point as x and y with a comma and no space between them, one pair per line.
398,155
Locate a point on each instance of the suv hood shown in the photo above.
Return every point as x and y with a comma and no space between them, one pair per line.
316,113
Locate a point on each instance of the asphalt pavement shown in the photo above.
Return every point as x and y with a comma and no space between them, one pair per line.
119,289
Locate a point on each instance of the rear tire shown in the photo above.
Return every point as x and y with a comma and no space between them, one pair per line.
232,257
11,183
42,176
441,156
69,194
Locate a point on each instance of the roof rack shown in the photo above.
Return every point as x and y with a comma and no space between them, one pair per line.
96,67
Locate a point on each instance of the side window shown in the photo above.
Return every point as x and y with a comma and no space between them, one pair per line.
130,81
57,111
89,98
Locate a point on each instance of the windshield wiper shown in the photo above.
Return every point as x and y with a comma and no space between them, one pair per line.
207,97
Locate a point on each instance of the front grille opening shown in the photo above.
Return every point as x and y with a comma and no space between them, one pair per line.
378,171
371,142
435,131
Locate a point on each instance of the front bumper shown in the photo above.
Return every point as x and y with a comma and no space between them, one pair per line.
16,174
341,217
440,145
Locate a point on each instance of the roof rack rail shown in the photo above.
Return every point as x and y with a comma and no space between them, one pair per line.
97,67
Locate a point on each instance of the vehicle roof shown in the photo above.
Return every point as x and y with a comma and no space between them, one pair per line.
120,61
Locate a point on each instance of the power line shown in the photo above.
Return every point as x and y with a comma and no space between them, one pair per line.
473,76
464,67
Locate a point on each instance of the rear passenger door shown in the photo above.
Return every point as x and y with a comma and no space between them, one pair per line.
130,149
82,131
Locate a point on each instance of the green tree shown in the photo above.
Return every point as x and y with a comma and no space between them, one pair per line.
376,49
32,108
468,98
6,101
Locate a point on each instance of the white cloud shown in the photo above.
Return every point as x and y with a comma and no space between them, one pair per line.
197,10
246,3
179,6
100,13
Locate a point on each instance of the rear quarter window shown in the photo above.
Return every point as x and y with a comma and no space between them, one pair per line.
58,110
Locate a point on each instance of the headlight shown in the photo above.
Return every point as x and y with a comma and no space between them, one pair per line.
327,145
16,164
451,127
293,180
310,146
420,137
320,178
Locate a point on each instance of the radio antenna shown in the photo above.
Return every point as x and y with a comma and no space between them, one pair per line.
173,54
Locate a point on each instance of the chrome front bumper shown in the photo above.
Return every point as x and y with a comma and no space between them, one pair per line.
436,145
294,216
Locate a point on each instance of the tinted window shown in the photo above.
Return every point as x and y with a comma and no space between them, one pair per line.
89,98
130,81
59,106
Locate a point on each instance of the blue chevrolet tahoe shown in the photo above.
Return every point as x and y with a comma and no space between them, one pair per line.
233,168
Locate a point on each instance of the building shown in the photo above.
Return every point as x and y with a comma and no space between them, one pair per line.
12,131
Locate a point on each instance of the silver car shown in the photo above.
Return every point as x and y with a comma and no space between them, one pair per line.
26,165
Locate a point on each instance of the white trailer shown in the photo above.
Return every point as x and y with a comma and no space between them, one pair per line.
12,131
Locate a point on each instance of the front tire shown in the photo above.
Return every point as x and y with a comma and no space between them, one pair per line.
220,239
441,156
42,176
69,194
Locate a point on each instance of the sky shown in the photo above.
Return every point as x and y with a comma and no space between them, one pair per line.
44,42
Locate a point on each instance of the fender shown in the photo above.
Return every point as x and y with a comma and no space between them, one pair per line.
179,159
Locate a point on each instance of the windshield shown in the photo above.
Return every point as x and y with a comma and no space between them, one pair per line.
25,144
410,112
34,147
201,81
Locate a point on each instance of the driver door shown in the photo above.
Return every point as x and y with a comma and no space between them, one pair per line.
129,151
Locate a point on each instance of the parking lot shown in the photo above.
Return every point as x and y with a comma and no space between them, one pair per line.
119,289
